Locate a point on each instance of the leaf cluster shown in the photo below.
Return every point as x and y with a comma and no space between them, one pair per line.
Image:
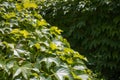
31,49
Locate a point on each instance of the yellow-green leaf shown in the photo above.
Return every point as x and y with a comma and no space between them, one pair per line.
68,50
37,45
55,30
42,23
15,31
24,33
53,46
69,60
28,4
77,55
18,7
9,15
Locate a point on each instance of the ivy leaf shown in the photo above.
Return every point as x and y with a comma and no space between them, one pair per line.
25,72
16,53
63,73
53,46
10,64
42,23
54,30
84,76
24,69
28,4
79,67
24,33
49,61
17,73
37,45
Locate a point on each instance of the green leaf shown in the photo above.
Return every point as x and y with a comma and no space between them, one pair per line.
84,77
53,46
25,72
63,73
16,53
17,73
10,64
48,61
80,67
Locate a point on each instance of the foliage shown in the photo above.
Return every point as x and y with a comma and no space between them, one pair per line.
92,27
31,49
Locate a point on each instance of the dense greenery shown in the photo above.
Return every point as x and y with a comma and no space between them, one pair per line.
31,49
93,28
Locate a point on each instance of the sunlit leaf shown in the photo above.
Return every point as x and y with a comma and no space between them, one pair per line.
17,72
24,33
49,62
53,46
62,73
16,53
37,45
42,23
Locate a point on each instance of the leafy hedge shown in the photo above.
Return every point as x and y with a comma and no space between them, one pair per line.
31,49
93,28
